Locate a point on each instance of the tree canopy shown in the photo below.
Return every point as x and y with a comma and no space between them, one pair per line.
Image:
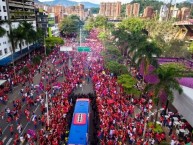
132,24
52,41
128,83
70,25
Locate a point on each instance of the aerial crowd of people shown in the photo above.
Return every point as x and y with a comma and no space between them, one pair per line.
121,117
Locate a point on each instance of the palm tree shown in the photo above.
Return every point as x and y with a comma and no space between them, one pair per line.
27,30
144,54
19,36
167,75
12,35
2,30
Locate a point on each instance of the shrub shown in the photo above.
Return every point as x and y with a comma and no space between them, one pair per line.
156,129
25,70
36,60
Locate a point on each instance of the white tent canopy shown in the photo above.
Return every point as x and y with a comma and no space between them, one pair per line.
2,82
66,48
184,103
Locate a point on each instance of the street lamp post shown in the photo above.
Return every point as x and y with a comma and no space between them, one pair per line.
47,110
46,104
147,118
80,36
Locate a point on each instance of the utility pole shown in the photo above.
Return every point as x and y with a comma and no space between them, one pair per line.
80,36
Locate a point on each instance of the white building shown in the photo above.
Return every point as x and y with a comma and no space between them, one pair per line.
13,8
53,28
163,13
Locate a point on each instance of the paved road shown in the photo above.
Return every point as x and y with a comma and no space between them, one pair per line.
6,137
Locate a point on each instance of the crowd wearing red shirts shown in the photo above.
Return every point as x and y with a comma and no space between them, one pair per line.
119,122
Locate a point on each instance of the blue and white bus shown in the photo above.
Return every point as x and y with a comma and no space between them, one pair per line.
80,123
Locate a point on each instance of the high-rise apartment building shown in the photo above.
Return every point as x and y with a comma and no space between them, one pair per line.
15,11
76,10
110,10
129,10
58,10
148,12
42,20
185,13
132,10
136,8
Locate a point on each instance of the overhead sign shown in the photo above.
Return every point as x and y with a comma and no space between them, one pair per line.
65,48
83,49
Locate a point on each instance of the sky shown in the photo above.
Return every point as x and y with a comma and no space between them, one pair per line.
98,1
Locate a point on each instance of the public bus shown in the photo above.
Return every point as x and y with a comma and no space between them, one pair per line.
79,130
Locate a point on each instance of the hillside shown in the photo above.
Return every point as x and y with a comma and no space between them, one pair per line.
68,3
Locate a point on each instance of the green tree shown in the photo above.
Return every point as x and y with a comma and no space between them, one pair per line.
52,41
2,30
70,25
36,60
128,83
116,68
145,55
176,48
19,36
28,32
25,70
164,29
89,24
102,36
100,22
132,24
167,75
40,36
190,49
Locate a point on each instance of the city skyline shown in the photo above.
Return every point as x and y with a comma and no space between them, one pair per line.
99,1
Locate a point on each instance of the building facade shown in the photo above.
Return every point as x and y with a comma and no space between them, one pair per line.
110,10
15,11
185,13
53,29
76,10
132,10
129,10
148,12
136,8
42,20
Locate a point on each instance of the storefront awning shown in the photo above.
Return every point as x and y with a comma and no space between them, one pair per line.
184,103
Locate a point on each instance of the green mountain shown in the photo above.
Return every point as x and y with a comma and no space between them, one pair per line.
68,3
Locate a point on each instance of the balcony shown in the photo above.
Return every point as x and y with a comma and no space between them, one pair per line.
20,5
19,15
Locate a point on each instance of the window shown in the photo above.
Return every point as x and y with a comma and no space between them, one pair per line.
5,50
1,53
4,9
5,17
0,17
